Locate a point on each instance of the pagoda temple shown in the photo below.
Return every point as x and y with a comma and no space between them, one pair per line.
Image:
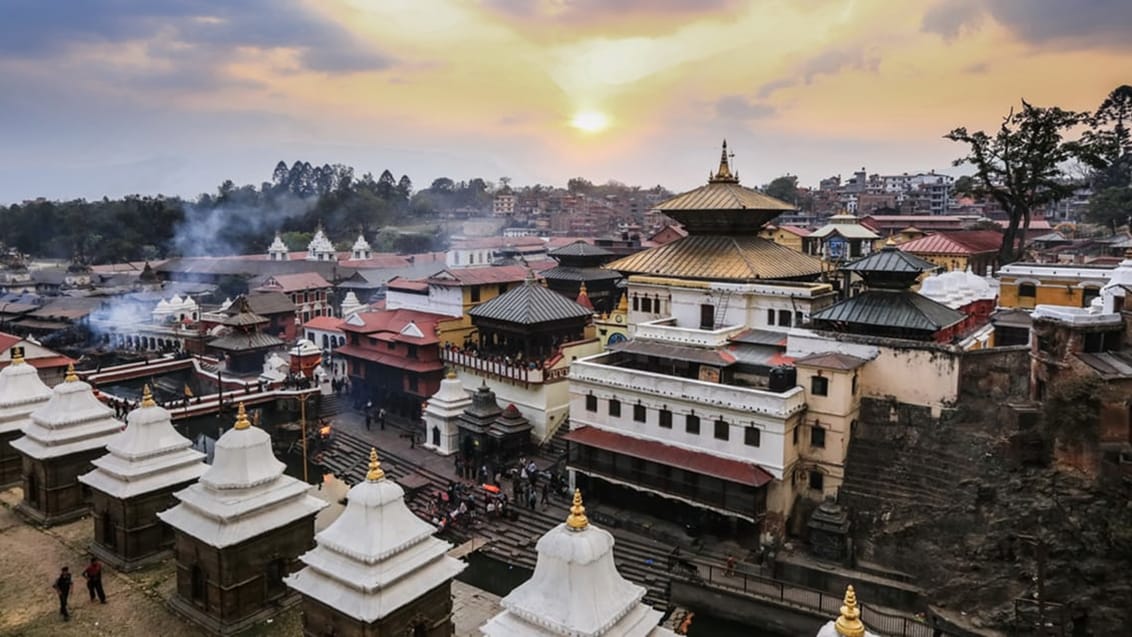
238,532
21,392
576,590
528,323
848,624
377,570
58,445
144,465
722,220
244,346
442,432
579,271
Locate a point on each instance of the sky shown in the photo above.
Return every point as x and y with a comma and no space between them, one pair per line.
113,97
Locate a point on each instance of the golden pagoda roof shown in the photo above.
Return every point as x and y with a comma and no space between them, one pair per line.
724,195
720,258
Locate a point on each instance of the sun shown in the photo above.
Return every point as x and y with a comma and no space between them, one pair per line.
590,121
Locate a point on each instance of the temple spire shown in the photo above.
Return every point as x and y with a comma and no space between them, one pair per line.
71,376
17,355
577,520
147,397
375,472
242,421
849,623
724,174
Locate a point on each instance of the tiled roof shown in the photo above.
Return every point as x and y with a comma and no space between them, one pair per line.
325,323
896,309
295,282
847,230
695,461
759,337
801,232
267,303
390,359
480,275
580,249
890,259
724,196
831,360
957,243
566,273
720,258
237,341
394,321
530,304
397,283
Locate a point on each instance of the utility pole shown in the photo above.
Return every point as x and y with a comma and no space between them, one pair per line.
303,431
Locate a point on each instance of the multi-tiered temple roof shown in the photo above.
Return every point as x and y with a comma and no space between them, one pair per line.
148,456
377,556
72,421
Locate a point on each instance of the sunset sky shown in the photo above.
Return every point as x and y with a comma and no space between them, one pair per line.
121,96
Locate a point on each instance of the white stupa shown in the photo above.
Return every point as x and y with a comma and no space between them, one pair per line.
21,393
441,415
148,456
957,289
1119,285
320,247
351,304
243,494
277,251
73,420
849,623
576,590
361,250
377,557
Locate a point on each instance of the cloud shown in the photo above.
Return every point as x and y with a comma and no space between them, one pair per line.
591,10
828,62
739,107
978,68
218,26
1080,23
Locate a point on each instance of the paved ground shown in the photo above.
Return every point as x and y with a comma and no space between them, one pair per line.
471,608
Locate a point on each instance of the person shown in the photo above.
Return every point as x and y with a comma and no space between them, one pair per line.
730,566
381,418
545,494
93,575
368,419
63,589
532,499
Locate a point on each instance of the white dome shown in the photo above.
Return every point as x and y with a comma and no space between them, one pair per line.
243,459
21,392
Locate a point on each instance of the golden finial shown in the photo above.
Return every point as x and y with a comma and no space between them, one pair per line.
623,304
582,290
17,355
71,375
375,472
147,397
724,173
242,421
577,518
451,373
890,243
849,623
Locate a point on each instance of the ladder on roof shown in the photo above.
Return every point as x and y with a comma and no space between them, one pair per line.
721,307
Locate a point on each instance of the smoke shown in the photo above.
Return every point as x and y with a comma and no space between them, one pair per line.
231,229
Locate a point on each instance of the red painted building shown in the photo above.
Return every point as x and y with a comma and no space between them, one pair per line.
393,359
307,291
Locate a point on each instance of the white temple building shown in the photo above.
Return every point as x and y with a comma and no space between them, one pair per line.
278,251
135,479
320,247
576,590
351,304
849,623
61,439
180,309
376,562
442,431
361,249
22,391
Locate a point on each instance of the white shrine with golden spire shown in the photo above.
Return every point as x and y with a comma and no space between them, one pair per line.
576,590
22,391
378,566
848,624
442,413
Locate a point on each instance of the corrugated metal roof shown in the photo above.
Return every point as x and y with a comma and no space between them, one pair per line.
831,360
700,355
724,196
580,249
1108,364
901,309
959,243
529,304
238,342
720,258
566,273
759,337
890,259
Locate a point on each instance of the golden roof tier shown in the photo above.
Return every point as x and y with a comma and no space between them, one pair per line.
739,259
723,206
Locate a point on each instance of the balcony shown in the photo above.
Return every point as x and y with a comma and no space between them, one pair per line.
665,330
743,399
500,368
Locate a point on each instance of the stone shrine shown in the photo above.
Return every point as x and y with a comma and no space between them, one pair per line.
377,570
22,391
238,532
144,465
442,432
829,531
576,590
60,441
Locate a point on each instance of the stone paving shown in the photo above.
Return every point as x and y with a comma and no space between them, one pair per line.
471,608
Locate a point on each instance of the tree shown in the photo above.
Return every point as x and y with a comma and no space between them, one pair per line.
784,188
579,185
964,186
1019,167
1106,149
1111,207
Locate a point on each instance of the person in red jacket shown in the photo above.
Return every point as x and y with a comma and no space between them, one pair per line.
93,575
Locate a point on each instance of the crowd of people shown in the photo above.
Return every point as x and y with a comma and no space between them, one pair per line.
481,493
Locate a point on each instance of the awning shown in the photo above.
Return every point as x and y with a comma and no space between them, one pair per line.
695,461
392,360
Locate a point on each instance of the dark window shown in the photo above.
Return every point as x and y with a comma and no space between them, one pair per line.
707,316
854,386
666,419
502,288
770,317
798,319
412,351
646,304
413,383
475,294
639,413
1088,295
614,407
722,430
591,402
390,345
817,480
752,436
817,436
795,436
819,386
197,584
33,488
784,318
636,303
692,424
1027,289
273,574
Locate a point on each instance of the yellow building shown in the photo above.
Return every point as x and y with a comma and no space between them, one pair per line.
1026,285
613,327
833,399
787,236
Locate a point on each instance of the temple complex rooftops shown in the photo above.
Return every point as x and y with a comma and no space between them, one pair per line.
243,494
71,421
739,258
21,393
148,456
530,304
377,556
576,590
